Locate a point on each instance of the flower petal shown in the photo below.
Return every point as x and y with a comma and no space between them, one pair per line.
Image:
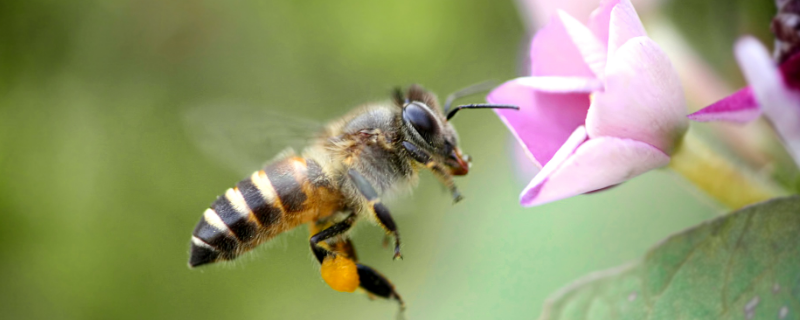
534,188
600,18
624,25
540,11
561,84
591,49
740,107
781,105
544,121
596,164
554,54
643,99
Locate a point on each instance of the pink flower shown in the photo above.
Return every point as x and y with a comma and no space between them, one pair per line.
603,104
773,89
537,12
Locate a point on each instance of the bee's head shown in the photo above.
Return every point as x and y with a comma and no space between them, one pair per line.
429,128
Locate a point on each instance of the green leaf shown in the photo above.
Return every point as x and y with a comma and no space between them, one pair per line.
745,265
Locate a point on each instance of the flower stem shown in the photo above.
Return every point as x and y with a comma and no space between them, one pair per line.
730,184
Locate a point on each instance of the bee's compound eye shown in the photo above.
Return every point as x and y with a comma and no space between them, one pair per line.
421,119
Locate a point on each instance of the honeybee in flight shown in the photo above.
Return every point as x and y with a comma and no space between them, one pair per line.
341,177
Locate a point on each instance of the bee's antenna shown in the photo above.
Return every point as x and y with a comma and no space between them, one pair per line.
452,113
468,91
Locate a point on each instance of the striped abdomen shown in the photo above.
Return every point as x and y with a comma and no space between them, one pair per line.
286,193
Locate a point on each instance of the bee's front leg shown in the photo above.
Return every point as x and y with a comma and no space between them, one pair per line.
426,159
377,208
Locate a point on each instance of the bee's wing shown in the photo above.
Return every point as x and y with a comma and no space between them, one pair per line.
243,138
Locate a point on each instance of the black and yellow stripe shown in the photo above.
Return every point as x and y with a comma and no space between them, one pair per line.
252,212
288,177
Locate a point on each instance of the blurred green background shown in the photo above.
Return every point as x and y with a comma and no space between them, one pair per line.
100,186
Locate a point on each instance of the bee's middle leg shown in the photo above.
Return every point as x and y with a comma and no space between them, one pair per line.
377,208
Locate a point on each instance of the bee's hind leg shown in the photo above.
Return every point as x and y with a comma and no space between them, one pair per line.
370,280
377,208
377,285
340,268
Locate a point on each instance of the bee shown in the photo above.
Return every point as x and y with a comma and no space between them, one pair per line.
338,179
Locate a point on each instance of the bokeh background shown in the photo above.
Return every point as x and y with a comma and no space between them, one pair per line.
101,186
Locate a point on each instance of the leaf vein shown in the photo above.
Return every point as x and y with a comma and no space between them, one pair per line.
729,264
677,269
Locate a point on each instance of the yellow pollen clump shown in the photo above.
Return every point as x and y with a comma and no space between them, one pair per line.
340,273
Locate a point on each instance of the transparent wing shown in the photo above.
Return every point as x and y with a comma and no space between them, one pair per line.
243,138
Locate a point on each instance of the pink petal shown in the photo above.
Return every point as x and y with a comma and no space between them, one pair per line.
596,164
544,121
540,11
535,13
780,104
600,19
561,84
531,192
740,107
591,49
624,25
643,99
554,54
